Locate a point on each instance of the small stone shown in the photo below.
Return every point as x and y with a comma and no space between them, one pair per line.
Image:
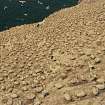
74,81
81,53
100,86
45,93
43,77
92,77
1,79
92,57
24,83
24,88
91,66
100,80
67,97
3,87
59,85
16,83
11,71
39,89
30,96
14,95
80,94
37,101
33,85
63,75
95,91
97,60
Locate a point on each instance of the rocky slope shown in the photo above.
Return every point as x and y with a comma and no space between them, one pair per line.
60,61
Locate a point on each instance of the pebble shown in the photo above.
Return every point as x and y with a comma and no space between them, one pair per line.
3,87
39,89
80,94
100,80
92,57
74,81
14,95
92,77
33,85
97,60
67,97
16,83
11,71
95,91
30,96
37,103
91,66
24,88
100,86
24,83
63,75
45,93
59,85
1,79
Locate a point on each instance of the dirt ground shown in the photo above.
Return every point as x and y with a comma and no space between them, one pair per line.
60,61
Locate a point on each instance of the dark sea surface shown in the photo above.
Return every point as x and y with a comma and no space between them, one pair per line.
18,12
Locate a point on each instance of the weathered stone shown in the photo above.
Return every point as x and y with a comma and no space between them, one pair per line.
39,89
100,80
63,75
3,87
45,93
100,86
30,96
59,85
67,97
14,95
95,91
97,60
80,94
1,78
24,88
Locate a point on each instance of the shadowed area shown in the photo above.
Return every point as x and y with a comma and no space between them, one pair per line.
18,12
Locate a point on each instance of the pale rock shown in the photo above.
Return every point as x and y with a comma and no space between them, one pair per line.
100,80
59,85
95,91
97,60
14,95
100,86
67,97
80,94
30,96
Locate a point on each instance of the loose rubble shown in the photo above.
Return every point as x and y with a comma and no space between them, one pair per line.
62,62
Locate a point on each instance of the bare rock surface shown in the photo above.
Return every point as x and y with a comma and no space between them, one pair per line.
58,62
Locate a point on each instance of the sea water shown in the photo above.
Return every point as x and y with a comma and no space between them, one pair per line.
18,12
